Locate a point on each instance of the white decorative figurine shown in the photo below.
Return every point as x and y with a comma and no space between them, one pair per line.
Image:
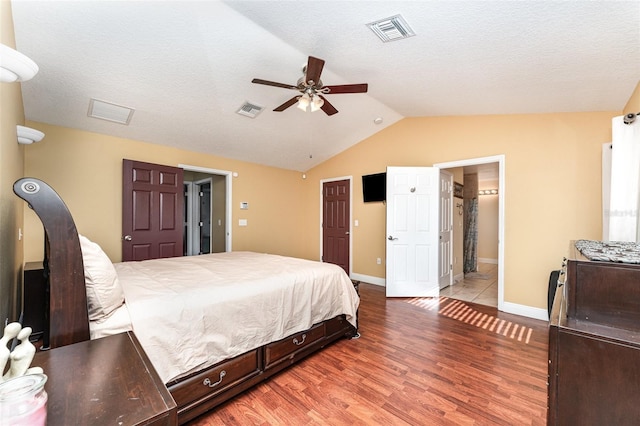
20,358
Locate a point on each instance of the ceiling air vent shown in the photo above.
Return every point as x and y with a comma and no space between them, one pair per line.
110,111
250,110
391,29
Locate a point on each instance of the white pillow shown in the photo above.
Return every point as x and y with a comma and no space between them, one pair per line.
104,293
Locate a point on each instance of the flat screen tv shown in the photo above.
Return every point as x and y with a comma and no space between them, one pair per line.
374,187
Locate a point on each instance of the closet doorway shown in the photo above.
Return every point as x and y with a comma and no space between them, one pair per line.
207,215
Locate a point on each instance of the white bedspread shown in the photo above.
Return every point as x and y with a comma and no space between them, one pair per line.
192,312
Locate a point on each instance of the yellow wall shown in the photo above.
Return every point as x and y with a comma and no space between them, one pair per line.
488,222
11,169
552,190
85,169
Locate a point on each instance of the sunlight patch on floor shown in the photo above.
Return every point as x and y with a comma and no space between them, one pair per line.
458,310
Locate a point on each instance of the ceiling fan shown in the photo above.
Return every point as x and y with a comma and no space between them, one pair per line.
312,90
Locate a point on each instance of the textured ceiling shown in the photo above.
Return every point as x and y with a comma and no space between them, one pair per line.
186,67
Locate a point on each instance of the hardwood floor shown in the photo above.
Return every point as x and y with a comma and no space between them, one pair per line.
417,362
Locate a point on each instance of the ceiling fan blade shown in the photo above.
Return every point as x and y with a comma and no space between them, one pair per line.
314,69
327,107
273,83
347,88
287,104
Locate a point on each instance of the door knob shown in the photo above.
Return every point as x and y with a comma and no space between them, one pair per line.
346,233
128,238
391,238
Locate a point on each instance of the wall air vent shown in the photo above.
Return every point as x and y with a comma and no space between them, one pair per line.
110,111
391,29
250,110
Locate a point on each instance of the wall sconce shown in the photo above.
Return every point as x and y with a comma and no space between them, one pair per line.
15,66
27,135
488,192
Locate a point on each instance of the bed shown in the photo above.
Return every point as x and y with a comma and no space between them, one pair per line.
212,325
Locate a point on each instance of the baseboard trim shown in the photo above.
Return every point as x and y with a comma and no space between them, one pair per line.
487,260
508,307
525,311
458,278
369,279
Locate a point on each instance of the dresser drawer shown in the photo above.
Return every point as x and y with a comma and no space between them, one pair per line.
277,351
216,378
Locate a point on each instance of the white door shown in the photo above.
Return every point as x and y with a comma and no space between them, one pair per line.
445,265
412,231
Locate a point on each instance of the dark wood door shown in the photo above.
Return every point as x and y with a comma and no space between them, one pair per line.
336,223
152,211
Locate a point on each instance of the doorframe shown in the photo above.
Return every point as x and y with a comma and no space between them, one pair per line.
189,219
197,184
228,196
500,159
450,208
322,182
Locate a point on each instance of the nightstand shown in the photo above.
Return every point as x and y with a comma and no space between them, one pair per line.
104,381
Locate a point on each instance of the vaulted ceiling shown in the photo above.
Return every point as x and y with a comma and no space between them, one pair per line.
185,67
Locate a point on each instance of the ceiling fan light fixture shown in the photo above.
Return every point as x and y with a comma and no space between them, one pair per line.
317,103
304,101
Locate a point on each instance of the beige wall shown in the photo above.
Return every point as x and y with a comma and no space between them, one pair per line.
86,170
11,169
552,189
488,222
551,160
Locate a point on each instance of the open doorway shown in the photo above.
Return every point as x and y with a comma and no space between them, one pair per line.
200,215
207,210
482,280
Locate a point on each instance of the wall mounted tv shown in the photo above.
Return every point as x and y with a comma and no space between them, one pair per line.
374,187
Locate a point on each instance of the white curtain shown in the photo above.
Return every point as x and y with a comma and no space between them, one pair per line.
625,181
606,188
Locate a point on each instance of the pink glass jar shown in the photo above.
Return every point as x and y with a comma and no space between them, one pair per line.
23,401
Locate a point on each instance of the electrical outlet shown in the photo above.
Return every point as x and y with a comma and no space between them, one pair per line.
379,261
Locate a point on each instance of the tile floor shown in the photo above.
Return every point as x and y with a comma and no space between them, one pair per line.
482,290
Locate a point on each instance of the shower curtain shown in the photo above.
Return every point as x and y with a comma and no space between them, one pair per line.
625,181
470,242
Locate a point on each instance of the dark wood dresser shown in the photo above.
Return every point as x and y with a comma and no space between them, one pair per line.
594,344
104,381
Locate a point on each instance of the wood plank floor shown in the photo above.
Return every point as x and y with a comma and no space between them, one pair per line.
417,362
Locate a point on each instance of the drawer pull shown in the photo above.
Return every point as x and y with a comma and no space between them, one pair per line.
207,382
298,343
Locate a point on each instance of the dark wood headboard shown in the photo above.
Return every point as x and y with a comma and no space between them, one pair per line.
68,318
